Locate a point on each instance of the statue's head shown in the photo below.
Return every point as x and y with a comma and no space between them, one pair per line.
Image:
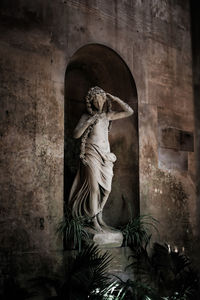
95,99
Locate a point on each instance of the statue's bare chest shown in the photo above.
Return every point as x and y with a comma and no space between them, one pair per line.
102,123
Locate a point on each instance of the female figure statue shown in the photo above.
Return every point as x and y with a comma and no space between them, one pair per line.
92,184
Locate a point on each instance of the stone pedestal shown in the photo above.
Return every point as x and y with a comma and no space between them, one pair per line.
109,239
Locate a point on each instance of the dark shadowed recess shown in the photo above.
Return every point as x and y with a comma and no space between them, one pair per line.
93,65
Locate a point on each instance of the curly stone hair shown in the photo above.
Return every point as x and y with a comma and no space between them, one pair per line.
89,99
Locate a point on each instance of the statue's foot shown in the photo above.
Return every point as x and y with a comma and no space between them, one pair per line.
103,224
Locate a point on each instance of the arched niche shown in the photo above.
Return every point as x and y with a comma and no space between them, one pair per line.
99,65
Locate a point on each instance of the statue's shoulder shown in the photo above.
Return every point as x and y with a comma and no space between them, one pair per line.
85,116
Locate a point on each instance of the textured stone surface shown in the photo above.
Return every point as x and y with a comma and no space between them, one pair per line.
170,159
173,138
195,22
38,39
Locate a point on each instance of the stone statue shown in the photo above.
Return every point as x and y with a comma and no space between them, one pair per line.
92,184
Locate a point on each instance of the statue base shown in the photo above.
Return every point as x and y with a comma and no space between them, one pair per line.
110,239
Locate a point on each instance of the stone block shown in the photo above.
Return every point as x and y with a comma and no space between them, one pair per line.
171,159
173,138
108,239
186,141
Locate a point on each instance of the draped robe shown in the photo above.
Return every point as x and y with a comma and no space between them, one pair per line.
99,168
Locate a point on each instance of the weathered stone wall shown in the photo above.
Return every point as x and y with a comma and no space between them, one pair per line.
31,145
195,30
38,38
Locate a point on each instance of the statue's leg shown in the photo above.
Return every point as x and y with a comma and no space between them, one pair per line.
94,202
104,199
100,216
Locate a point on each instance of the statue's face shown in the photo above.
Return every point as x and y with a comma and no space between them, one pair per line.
99,100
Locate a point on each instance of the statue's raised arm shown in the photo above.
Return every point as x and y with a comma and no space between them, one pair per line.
114,115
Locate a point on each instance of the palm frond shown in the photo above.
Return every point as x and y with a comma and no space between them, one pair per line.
73,230
136,232
88,272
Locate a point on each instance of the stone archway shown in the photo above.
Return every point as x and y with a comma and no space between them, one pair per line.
99,65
